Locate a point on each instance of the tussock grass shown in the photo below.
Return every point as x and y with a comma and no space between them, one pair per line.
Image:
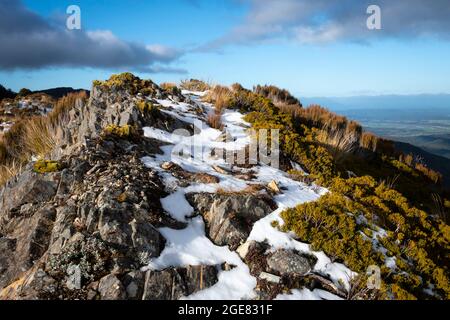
253,189
195,85
280,97
34,136
222,98
7,172
170,88
214,121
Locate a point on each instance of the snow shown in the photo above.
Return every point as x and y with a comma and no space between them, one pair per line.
194,93
190,246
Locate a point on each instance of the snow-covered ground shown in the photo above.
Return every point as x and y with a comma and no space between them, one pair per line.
191,246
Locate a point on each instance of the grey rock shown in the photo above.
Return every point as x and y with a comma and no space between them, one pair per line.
175,283
134,284
230,218
110,288
74,277
290,263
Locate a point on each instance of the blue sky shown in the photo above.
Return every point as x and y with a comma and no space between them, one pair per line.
251,43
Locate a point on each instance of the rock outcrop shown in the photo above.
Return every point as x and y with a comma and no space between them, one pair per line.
86,223
85,230
229,218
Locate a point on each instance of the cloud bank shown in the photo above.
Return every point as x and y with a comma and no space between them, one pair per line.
323,21
28,41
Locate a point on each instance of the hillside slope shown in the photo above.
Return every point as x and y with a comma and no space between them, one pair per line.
133,200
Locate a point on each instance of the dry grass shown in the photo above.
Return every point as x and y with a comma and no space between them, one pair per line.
34,136
253,189
214,121
65,104
195,85
167,85
7,172
440,209
220,96
40,136
279,97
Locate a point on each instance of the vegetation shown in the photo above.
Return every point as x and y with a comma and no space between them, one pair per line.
24,92
46,166
35,136
6,93
147,107
342,223
123,132
280,97
170,88
129,82
195,85
214,120
384,188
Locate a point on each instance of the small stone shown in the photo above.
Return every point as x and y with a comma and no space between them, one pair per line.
74,277
111,288
243,249
167,165
273,185
269,277
78,224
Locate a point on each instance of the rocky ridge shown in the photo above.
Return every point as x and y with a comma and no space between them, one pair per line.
102,225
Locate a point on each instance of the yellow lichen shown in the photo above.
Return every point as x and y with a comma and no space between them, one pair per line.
146,106
125,131
46,166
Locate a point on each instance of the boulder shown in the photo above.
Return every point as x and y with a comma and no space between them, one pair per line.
290,263
110,288
230,218
175,283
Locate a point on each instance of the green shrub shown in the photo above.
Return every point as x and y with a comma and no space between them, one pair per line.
127,81
418,242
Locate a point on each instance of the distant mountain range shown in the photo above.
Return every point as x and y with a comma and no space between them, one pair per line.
53,92
382,102
420,124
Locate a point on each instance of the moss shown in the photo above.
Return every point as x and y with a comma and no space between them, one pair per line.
46,166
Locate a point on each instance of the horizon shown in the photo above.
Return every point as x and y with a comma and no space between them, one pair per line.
313,49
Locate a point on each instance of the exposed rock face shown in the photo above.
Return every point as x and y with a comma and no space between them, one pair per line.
99,215
85,231
229,218
172,284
